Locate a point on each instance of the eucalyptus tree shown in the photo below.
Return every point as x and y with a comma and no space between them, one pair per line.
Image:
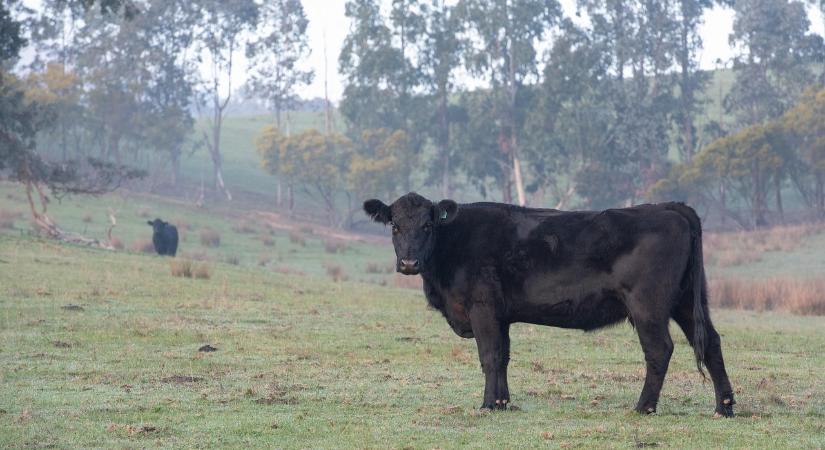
505,35
222,32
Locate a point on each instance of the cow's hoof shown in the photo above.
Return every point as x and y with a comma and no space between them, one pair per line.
646,410
501,404
725,409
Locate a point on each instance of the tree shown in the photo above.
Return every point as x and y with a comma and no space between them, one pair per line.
312,159
20,120
507,33
221,33
772,66
276,57
805,123
439,56
691,79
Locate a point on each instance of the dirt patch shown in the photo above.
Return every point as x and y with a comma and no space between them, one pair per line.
207,348
181,379
61,344
278,222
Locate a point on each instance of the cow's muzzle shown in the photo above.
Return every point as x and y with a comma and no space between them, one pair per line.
409,266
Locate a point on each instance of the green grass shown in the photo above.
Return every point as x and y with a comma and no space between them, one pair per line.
133,210
303,362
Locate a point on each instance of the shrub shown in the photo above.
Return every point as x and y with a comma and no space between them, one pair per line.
267,241
263,260
297,238
306,229
232,259
210,238
143,246
87,218
144,212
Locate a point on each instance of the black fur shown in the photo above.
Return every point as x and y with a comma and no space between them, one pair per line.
487,265
164,237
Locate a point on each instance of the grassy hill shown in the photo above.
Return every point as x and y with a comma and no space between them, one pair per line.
100,349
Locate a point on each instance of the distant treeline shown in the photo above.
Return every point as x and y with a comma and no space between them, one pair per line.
606,108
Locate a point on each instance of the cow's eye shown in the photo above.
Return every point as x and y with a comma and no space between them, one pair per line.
395,229
427,227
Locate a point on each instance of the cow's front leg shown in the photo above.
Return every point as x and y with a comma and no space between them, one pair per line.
493,340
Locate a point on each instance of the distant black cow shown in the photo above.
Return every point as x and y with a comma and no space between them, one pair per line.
164,237
487,265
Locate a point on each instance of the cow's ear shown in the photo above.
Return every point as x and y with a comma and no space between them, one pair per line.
150,223
378,211
446,211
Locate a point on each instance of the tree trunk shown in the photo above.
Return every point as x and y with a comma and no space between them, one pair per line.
176,166
290,194
778,187
820,194
215,152
444,137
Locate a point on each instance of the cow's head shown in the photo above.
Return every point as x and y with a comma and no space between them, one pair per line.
157,225
414,221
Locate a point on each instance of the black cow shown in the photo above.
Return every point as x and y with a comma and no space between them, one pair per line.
487,265
164,237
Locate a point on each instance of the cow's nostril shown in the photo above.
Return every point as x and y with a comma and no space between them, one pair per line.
409,264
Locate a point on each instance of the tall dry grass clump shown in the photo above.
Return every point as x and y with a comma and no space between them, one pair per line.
336,272
374,267
186,268
798,296
210,238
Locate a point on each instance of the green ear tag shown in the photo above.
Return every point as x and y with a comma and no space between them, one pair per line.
443,215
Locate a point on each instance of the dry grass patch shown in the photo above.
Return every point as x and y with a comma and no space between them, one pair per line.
232,260
745,247
143,246
379,268
267,241
210,238
87,218
186,268
798,296
336,272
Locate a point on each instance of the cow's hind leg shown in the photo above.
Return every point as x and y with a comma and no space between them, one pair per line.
657,347
713,357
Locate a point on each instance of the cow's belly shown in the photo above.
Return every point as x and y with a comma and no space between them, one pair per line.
569,300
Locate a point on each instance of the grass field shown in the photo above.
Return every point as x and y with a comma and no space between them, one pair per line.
304,362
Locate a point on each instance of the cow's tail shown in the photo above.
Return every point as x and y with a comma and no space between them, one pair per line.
698,285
